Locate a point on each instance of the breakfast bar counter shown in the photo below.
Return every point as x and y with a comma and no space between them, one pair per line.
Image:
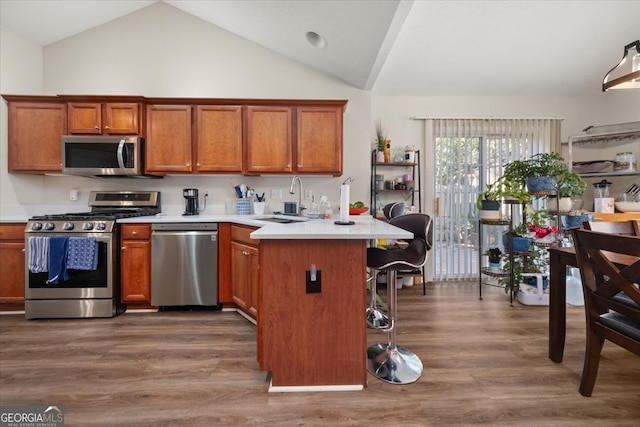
312,333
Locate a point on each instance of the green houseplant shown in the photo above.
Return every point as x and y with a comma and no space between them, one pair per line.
538,173
536,224
381,135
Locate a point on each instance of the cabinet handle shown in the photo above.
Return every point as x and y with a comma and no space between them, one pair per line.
107,128
197,165
23,250
288,165
188,165
134,233
123,248
96,127
245,253
299,165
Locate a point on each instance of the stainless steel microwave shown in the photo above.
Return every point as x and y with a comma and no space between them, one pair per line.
103,156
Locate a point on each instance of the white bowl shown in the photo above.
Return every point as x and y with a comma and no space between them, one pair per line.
628,206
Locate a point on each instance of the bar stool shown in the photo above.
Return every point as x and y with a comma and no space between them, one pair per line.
376,317
388,361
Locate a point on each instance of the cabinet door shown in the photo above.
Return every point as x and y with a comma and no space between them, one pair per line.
240,275
34,134
252,278
85,118
319,140
122,118
268,140
168,143
135,271
219,138
12,265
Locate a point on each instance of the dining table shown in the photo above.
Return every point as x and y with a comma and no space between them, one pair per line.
559,259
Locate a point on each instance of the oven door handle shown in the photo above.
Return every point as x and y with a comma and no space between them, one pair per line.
121,154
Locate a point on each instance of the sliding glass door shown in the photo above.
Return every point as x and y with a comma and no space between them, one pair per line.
468,155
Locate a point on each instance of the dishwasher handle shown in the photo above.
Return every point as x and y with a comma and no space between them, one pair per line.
184,226
213,234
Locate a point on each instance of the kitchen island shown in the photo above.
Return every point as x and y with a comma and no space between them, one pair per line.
312,334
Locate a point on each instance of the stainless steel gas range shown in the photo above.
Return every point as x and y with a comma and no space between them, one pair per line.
72,260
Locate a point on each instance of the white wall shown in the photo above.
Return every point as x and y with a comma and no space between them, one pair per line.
398,115
20,73
160,51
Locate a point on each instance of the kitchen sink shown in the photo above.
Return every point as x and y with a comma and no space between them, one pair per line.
282,219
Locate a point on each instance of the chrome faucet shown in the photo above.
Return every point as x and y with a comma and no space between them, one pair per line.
299,207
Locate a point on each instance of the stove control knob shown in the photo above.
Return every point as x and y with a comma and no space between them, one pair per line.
87,226
101,226
49,226
36,226
68,226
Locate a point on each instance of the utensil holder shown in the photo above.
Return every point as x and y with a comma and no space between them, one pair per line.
258,208
243,206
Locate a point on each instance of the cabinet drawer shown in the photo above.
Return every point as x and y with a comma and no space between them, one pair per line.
142,232
241,234
12,231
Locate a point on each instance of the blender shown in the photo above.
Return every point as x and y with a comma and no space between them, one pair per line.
602,202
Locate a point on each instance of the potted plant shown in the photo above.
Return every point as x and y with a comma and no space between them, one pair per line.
539,173
381,137
536,226
495,254
488,203
489,200
571,187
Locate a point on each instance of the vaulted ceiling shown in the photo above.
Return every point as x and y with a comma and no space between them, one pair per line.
397,47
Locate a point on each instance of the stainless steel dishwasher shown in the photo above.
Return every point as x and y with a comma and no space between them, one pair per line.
184,265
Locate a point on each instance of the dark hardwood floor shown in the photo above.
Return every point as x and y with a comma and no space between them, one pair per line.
485,363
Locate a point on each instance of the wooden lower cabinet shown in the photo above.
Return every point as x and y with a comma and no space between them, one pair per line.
12,266
135,264
244,268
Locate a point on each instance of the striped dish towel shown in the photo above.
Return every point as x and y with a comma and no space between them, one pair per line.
38,254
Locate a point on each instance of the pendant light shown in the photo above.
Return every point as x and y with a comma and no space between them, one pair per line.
625,75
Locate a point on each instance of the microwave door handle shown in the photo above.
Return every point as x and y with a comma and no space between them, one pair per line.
121,154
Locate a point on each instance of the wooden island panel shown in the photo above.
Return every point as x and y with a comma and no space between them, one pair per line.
316,339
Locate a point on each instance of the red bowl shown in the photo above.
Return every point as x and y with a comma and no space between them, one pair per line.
357,211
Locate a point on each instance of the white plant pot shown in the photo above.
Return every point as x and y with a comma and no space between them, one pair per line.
490,215
565,204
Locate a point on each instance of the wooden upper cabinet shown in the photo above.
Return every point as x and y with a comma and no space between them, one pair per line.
268,139
218,138
168,142
319,140
112,118
34,135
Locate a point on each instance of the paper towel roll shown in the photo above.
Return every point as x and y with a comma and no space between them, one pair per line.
344,203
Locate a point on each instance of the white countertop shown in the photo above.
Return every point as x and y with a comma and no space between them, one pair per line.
365,227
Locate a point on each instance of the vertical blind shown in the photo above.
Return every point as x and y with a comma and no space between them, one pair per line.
468,154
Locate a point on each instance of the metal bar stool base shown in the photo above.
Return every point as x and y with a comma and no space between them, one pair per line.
376,318
395,365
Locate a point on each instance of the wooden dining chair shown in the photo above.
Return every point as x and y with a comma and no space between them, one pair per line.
629,228
610,270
